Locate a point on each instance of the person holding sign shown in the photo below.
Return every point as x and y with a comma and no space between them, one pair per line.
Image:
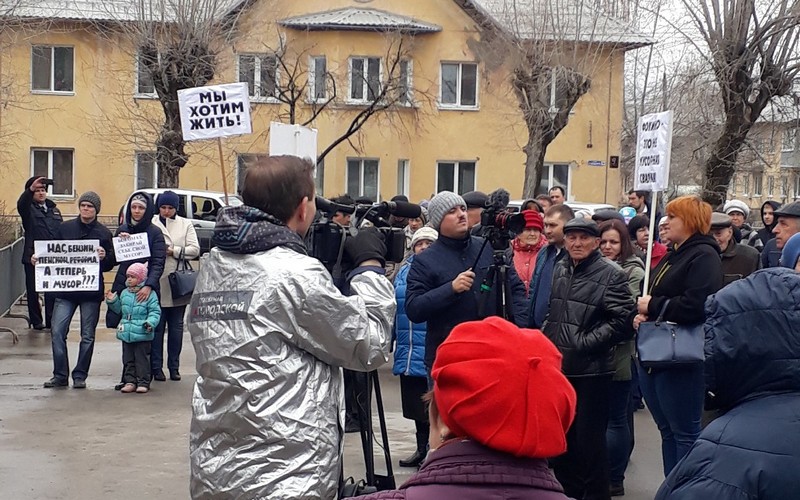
685,278
139,220
84,227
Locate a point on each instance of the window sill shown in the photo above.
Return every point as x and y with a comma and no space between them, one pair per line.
53,92
62,197
146,96
451,107
264,100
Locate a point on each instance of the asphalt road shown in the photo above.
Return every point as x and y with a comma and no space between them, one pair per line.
99,444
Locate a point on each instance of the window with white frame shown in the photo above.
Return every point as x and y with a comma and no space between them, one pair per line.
770,186
52,68
318,78
555,93
56,164
319,177
365,78
456,176
734,185
403,177
363,178
260,72
745,184
789,139
459,85
784,186
405,83
797,185
758,180
144,80
555,174
244,160
146,170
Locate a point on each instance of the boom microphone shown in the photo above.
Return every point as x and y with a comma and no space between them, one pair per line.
403,209
498,199
331,207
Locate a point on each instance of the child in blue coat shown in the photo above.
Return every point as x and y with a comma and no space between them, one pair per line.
135,330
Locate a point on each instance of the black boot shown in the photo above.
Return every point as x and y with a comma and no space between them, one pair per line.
414,460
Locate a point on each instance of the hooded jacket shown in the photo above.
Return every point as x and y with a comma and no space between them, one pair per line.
39,225
590,305
135,315
158,248
409,353
686,276
752,371
270,332
760,238
466,470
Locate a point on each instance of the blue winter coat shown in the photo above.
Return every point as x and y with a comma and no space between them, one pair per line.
134,316
752,371
409,352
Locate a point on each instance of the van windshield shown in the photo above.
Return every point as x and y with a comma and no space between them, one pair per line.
234,201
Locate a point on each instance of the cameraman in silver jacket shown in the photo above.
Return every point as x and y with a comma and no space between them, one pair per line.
271,332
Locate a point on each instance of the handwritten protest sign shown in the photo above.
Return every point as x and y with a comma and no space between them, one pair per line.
133,247
67,266
653,148
214,111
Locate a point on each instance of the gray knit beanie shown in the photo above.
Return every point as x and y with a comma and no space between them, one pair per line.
440,205
90,197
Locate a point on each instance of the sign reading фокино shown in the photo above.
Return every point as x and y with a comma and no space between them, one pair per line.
653,147
67,265
215,111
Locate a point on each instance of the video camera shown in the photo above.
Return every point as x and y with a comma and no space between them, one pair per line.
498,223
326,238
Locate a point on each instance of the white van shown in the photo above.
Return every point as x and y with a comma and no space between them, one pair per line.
203,208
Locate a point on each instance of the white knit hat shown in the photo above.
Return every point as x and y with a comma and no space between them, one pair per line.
736,206
440,205
424,233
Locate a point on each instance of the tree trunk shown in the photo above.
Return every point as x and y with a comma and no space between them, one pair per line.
535,150
721,164
170,155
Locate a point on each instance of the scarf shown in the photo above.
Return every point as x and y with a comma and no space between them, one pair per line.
248,230
525,258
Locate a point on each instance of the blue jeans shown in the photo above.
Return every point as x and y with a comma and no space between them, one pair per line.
618,433
63,310
675,398
172,322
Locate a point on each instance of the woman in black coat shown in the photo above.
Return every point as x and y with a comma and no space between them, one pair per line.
680,285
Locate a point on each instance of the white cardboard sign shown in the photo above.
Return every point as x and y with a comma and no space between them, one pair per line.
67,266
293,140
133,247
215,111
653,149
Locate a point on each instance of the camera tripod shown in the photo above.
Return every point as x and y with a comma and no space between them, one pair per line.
497,279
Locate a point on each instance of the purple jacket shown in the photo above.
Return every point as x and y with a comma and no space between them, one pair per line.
467,470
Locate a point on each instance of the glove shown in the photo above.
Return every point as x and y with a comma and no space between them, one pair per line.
367,244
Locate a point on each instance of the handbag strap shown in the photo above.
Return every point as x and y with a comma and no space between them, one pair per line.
661,313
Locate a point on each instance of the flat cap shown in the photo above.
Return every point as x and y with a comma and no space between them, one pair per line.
605,214
789,210
580,224
475,199
720,220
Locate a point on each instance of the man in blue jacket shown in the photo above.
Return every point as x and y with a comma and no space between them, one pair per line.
444,288
787,224
554,219
83,227
752,375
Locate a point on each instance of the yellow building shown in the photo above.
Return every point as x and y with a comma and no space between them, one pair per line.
74,106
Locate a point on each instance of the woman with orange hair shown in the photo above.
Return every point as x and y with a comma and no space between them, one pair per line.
680,285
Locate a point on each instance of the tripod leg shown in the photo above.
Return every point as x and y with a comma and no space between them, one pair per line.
508,298
365,422
384,433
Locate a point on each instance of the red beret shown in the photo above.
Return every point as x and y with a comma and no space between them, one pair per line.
533,219
503,387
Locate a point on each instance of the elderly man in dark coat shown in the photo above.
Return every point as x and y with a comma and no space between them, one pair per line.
738,259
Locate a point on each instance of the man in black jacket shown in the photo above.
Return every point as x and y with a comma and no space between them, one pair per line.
590,308
738,259
787,224
83,227
40,219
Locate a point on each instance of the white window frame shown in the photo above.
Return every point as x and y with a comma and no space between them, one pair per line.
361,161
784,187
365,84
136,157
770,186
568,188
409,94
403,176
458,104
50,173
136,93
746,184
758,182
456,173
312,79
257,76
53,70
789,141
797,185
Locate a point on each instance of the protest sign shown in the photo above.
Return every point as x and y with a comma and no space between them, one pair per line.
214,111
653,147
293,140
67,266
133,247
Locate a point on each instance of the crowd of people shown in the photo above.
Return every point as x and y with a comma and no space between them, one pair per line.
530,395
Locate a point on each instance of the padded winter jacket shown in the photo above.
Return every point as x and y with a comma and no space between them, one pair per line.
76,230
752,371
409,352
158,248
39,225
590,306
135,315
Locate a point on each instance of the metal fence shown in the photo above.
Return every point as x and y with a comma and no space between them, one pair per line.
12,276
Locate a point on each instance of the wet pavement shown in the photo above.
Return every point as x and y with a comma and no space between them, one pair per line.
97,443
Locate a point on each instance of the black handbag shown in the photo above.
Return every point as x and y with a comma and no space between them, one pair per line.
183,279
661,344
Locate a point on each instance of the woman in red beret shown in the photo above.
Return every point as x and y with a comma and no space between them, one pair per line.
525,247
500,407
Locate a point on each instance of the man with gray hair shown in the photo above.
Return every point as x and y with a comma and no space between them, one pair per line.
787,225
444,282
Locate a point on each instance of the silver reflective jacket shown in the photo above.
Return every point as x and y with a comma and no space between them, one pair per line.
270,332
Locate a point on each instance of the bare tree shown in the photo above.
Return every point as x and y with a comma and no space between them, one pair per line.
753,52
552,49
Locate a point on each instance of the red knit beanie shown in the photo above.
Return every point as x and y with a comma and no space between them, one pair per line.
533,219
503,387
